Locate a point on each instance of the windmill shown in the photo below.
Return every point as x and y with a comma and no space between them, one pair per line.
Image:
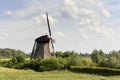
41,47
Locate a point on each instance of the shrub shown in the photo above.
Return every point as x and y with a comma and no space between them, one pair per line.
88,63
74,61
23,65
58,54
7,64
69,54
14,60
96,70
34,64
49,65
63,63
20,58
97,56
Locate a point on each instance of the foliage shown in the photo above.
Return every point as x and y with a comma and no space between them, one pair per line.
8,53
97,56
22,65
58,53
75,61
14,61
96,70
64,60
111,60
48,64
65,54
69,54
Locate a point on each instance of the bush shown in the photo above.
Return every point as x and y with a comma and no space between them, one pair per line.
69,54
74,61
63,63
96,70
48,64
34,64
15,61
20,58
97,56
52,64
23,65
7,64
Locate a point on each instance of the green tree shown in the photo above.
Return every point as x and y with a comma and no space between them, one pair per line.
58,54
98,56
69,54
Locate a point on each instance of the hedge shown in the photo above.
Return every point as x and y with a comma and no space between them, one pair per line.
96,70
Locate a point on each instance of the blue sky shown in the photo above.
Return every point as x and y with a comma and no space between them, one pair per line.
79,25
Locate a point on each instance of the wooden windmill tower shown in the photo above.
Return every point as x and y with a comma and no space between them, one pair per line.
41,47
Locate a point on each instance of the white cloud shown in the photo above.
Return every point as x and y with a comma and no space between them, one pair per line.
3,35
1,38
84,21
89,15
85,36
69,2
8,13
31,8
106,13
100,5
69,9
37,19
41,19
60,34
104,31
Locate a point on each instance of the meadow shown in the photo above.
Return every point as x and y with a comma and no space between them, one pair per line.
56,68
14,74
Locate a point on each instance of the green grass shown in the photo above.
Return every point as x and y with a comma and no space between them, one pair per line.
87,59
13,74
7,59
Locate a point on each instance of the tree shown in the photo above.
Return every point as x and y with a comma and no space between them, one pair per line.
69,54
8,53
58,54
98,56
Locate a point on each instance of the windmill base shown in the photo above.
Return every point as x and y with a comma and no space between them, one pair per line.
42,51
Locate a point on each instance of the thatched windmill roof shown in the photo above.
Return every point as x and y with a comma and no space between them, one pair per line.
43,39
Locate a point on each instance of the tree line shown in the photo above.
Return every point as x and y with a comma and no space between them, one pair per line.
65,59
99,58
9,53
111,59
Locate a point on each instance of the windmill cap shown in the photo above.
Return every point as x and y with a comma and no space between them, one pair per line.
43,39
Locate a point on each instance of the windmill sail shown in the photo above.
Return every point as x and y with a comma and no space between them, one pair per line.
48,24
50,31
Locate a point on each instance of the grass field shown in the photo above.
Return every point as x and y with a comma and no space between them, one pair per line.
13,74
